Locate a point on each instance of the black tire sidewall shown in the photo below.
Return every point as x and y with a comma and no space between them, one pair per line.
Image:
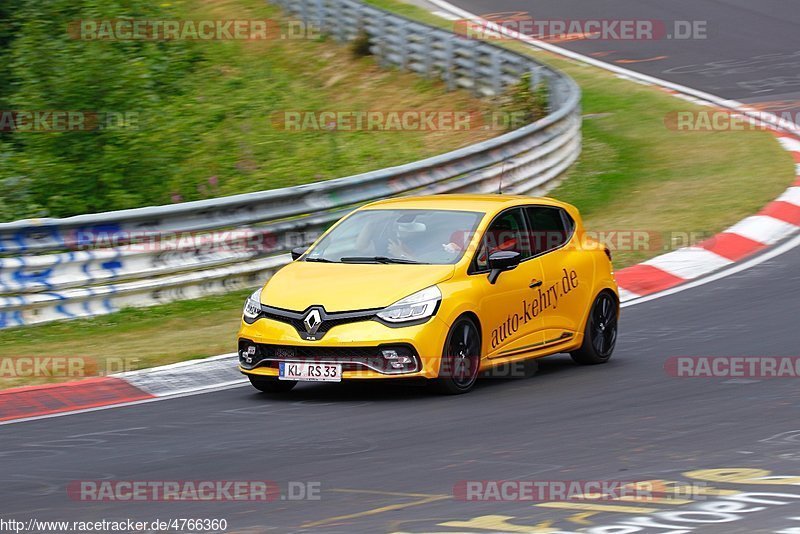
446,384
587,355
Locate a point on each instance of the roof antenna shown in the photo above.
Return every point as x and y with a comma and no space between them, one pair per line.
502,173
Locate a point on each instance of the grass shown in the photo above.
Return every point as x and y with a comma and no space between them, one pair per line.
250,81
634,174
139,337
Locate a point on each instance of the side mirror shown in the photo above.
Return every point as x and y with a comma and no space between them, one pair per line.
500,261
297,252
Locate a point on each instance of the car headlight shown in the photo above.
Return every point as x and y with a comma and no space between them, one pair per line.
252,306
420,305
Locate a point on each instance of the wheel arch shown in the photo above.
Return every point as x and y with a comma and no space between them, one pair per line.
474,316
471,314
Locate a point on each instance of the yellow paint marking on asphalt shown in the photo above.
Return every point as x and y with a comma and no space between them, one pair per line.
652,500
581,518
570,37
629,61
389,493
421,500
703,490
499,523
599,507
681,489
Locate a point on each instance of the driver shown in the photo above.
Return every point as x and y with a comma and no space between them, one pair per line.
415,242
410,241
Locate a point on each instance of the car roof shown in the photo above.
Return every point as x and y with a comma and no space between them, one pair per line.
480,203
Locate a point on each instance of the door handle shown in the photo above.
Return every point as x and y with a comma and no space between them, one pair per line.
535,283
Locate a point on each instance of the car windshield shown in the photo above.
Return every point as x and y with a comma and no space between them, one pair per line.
398,236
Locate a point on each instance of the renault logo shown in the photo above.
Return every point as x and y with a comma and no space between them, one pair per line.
312,322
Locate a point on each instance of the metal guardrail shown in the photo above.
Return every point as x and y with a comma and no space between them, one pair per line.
54,269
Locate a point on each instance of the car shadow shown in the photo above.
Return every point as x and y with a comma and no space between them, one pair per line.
406,389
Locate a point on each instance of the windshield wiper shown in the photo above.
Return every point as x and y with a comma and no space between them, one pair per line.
320,260
379,259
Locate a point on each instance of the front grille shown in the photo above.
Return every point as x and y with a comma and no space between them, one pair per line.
351,358
327,324
329,320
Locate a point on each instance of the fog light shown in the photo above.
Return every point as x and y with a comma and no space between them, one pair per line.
396,360
247,353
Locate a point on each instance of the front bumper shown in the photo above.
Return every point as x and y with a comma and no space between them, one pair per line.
356,345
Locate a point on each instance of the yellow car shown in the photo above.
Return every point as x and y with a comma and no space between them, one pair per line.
441,288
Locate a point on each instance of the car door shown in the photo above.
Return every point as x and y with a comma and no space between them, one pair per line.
567,272
509,325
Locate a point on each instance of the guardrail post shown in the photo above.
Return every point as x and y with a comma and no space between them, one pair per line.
340,25
427,58
449,72
321,13
554,94
304,10
536,76
379,48
497,71
402,33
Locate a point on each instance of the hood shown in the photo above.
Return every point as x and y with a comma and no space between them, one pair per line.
348,286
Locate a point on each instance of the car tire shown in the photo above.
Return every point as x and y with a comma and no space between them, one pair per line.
271,385
461,358
600,334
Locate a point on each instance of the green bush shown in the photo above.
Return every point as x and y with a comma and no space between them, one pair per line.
527,100
67,173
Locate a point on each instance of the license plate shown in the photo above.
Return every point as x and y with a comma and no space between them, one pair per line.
310,372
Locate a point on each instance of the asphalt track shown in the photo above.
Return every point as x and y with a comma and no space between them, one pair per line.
750,53
387,458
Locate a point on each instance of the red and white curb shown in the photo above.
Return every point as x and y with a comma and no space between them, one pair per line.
778,221
135,387
186,377
35,402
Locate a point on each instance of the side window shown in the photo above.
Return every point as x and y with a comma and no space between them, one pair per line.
550,228
507,232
